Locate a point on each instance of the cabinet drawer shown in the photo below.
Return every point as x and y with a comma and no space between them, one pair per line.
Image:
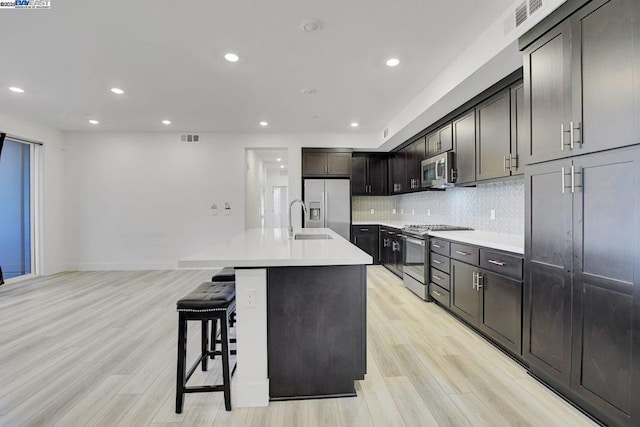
499,262
441,279
439,294
468,254
439,246
440,262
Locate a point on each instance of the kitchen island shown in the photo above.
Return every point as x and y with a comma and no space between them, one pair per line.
301,313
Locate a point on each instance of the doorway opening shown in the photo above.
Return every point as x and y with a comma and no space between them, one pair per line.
267,188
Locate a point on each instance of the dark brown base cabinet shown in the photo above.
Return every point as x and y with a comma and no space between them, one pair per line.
582,285
487,294
391,250
366,238
490,302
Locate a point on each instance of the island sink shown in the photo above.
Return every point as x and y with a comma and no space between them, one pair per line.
312,237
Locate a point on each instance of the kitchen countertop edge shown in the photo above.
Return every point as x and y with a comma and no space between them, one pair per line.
504,242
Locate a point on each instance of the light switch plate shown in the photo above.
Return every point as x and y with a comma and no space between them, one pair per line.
493,214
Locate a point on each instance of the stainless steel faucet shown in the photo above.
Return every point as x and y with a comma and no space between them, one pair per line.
291,206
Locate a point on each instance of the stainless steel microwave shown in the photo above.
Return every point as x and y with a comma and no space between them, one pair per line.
438,171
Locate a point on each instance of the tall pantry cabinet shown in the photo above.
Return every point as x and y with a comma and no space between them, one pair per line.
582,237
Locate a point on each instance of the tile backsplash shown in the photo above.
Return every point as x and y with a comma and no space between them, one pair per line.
467,206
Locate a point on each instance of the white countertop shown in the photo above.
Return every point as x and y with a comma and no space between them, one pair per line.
273,248
503,242
386,223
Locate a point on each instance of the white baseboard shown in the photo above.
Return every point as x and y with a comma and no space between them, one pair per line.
122,267
245,395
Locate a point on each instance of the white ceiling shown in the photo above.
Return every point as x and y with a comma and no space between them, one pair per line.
168,57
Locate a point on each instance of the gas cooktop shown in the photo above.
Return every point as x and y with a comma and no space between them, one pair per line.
423,229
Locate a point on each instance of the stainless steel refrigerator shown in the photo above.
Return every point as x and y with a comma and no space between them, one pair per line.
328,205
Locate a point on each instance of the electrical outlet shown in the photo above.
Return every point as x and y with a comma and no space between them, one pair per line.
493,214
428,212
373,211
250,295
393,211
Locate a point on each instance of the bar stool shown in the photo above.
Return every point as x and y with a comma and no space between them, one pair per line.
208,302
226,274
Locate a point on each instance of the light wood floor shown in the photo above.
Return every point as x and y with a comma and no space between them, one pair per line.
98,348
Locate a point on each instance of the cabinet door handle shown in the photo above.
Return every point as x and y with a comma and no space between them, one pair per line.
438,277
562,132
579,128
463,253
435,246
479,277
436,293
492,261
474,283
437,262
355,240
562,173
364,229
571,134
504,163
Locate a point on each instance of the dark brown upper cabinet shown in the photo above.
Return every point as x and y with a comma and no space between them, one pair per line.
369,174
397,172
439,141
493,131
415,154
519,128
405,167
464,145
330,163
582,83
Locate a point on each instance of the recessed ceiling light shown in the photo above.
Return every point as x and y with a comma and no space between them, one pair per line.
281,166
392,62
311,25
278,159
166,122
263,124
94,122
308,91
117,90
231,57
16,89
354,124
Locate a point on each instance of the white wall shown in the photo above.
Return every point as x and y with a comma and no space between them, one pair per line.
142,200
51,257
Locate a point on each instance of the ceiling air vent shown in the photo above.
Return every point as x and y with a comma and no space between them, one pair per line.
190,138
385,133
521,13
534,6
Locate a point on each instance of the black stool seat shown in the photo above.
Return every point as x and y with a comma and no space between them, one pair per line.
209,302
208,296
226,274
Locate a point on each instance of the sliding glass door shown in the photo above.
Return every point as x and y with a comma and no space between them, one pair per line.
16,208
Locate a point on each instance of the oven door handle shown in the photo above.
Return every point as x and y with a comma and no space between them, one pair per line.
414,241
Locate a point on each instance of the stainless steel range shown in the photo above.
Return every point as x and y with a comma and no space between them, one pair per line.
416,257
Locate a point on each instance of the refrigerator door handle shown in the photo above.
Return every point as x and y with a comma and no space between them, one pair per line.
326,208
